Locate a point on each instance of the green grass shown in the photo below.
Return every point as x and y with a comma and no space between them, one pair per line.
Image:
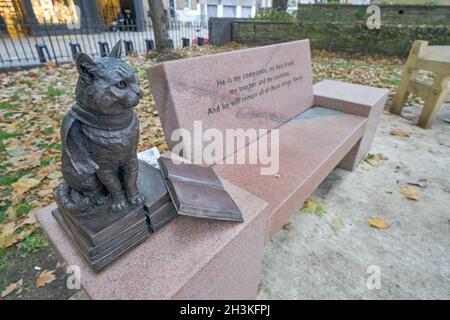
8,115
27,82
56,146
392,82
5,106
48,131
3,146
313,207
23,208
5,135
53,93
9,178
6,265
3,213
35,242
43,145
47,161
10,264
15,97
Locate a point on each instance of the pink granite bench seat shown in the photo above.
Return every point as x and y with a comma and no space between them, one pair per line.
311,145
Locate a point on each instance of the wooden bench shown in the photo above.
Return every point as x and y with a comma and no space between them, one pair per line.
434,59
319,127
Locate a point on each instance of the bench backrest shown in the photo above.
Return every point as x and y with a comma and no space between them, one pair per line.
258,88
435,59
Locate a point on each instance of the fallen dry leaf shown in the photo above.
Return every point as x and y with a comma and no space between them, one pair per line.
30,218
337,224
410,193
311,206
162,148
11,288
375,159
44,278
366,167
401,133
7,235
11,213
378,223
25,184
11,233
288,226
23,232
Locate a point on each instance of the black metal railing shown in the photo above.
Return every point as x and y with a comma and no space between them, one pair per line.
27,45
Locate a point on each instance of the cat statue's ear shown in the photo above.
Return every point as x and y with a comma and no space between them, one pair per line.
86,67
116,51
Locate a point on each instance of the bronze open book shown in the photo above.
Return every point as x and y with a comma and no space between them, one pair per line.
198,192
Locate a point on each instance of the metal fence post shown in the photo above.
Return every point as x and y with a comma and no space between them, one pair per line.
104,48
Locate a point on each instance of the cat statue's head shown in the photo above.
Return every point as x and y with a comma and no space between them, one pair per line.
107,85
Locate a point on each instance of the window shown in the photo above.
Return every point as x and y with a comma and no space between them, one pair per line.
229,11
212,10
246,12
187,4
55,11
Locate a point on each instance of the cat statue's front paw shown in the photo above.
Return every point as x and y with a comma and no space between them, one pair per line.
98,200
119,205
136,200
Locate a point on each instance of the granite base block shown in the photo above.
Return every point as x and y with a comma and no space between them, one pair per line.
188,258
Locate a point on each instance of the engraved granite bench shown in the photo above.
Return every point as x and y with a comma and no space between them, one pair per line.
320,127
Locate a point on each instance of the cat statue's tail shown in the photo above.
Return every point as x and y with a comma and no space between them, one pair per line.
69,199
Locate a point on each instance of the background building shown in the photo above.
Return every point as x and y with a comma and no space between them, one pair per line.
26,17
34,16
195,10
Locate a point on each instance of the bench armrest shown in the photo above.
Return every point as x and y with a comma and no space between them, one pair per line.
355,99
350,98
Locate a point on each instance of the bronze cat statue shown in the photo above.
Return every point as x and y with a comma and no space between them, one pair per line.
99,137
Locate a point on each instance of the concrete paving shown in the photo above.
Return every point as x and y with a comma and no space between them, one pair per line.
335,256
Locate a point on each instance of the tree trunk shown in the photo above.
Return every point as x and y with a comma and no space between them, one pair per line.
280,4
160,25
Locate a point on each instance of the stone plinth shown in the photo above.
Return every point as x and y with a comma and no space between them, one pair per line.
189,258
